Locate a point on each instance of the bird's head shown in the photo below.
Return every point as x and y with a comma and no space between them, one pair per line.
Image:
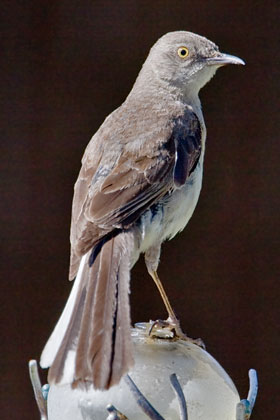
186,60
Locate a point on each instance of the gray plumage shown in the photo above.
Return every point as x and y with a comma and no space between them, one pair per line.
139,183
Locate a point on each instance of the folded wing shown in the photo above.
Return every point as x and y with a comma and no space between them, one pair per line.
116,187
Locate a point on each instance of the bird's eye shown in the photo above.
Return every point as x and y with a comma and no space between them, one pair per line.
183,52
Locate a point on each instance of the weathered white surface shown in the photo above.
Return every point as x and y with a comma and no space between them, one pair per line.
209,391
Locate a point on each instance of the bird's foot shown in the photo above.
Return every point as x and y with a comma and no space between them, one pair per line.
172,325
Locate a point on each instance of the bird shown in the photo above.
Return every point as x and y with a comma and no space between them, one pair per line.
138,186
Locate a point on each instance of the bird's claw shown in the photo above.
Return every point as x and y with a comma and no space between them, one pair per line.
158,326
176,332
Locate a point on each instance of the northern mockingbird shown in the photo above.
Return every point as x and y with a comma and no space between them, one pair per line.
138,186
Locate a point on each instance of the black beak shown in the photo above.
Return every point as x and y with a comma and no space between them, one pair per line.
224,59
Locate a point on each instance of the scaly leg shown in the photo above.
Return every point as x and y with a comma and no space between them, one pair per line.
172,321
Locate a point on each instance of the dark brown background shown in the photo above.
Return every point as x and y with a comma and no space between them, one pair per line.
64,66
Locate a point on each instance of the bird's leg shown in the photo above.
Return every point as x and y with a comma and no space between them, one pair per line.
152,260
165,299
172,321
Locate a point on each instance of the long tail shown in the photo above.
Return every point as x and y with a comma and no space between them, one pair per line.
91,341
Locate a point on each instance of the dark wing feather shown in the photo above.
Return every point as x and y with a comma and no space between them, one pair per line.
187,138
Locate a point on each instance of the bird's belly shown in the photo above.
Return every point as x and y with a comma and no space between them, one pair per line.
168,217
180,208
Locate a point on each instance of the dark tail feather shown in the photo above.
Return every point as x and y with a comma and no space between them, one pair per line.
99,328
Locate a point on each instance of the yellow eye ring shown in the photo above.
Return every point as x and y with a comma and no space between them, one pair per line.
183,52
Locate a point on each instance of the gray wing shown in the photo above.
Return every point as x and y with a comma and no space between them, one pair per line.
110,198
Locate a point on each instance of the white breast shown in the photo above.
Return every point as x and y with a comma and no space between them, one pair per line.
173,212
181,204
